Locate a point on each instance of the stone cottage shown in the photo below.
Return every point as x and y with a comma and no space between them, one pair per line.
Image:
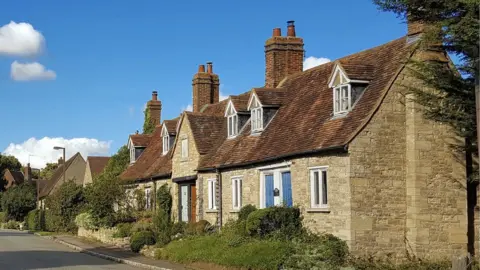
342,141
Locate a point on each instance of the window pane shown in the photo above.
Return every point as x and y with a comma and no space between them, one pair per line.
324,187
230,131
235,193
316,186
239,193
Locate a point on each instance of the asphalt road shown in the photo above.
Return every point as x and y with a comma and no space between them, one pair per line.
23,251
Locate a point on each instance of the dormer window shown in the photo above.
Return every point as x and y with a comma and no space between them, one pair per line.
256,113
232,120
165,140
346,91
132,154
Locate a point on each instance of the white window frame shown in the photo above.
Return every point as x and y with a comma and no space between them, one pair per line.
212,186
132,153
277,181
257,119
185,148
232,125
165,140
340,100
322,199
237,187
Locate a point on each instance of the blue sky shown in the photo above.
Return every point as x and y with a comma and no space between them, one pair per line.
108,56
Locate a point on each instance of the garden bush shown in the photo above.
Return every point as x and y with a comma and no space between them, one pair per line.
85,221
66,203
163,227
287,221
142,226
245,211
52,222
17,201
164,199
140,239
12,224
3,217
35,220
198,228
179,228
123,230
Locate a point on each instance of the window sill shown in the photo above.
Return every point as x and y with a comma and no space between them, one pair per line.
318,210
235,211
339,115
211,211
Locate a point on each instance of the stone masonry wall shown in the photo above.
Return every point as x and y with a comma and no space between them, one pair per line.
104,235
87,179
335,219
407,196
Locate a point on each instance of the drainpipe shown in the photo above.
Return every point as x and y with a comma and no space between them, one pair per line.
220,208
154,194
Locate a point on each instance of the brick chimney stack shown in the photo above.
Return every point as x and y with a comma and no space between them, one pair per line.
28,173
206,87
154,106
283,55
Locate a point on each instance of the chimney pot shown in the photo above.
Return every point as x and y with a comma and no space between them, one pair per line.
201,68
154,95
277,32
291,28
209,67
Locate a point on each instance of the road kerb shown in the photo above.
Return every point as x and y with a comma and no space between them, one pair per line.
103,256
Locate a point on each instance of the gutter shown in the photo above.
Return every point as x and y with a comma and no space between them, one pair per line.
342,148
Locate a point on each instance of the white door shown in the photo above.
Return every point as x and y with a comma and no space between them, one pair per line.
184,202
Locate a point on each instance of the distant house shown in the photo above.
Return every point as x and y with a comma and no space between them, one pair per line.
74,170
13,178
94,166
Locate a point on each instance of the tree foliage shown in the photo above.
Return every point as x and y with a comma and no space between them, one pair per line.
164,199
102,197
47,172
10,163
17,201
66,203
116,165
148,124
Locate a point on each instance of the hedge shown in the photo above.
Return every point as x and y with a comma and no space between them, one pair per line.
140,239
287,221
35,220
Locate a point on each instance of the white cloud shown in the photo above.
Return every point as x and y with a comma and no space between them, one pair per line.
313,61
222,96
39,152
31,72
187,108
20,39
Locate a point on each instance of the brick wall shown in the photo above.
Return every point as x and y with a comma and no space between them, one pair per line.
205,90
283,57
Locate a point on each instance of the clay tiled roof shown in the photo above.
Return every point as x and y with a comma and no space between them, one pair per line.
18,177
206,130
358,71
57,176
217,109
171,125
97,164
270,96
240,102
304,123
140,139
152,163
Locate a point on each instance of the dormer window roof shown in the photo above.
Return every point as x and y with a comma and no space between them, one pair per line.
348,86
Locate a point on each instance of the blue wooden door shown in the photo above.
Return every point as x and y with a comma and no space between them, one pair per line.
287,189
269,190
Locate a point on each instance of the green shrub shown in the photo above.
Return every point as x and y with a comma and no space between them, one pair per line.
3,217
245,211
52,222
312,251
198,228
139,195
123,230
17,201
66,203
163,227
85,221
142,226
213,248
286,221
35,220
140,239
124,216
164,199
179,227
12,224
237,227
